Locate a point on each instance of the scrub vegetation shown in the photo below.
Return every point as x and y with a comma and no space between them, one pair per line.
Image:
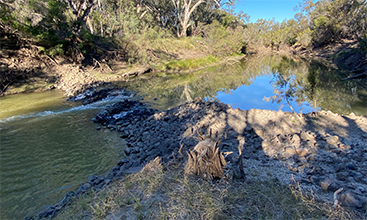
166,35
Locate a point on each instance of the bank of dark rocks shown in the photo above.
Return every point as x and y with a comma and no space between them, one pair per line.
321,153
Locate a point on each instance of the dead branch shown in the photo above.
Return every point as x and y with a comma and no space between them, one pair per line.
336,201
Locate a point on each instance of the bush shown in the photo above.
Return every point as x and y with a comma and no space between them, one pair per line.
224,41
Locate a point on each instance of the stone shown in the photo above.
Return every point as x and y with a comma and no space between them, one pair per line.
351,200
302,151
356,175
91,179
342,175
332,140
108,181
122,161
99,180
306,136
351,166
329,185
127,151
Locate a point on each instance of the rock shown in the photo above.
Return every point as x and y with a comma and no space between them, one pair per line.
357,176
123,161
351,166
107,181
99,180
329,185
306,136
124,135
351,200
342,175
91,179
127,151
302,151
332,140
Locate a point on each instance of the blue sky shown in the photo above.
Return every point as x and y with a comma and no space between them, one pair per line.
267,9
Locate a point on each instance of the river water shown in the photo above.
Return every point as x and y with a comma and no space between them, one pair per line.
49,146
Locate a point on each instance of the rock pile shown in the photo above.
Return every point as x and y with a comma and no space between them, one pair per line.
322,153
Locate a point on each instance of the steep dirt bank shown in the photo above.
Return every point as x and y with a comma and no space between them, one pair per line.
344,55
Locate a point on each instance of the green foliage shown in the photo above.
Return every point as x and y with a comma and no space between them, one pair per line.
224,41
320,22
339,19
56,50
188,64
362,45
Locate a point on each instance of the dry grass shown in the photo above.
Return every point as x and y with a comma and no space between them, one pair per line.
166,192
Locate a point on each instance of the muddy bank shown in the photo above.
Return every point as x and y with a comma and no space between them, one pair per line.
322,153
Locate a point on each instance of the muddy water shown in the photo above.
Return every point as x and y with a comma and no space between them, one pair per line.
48,147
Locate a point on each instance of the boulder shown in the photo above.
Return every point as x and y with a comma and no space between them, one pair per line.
351,200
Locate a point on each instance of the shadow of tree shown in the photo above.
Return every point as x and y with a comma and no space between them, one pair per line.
30,79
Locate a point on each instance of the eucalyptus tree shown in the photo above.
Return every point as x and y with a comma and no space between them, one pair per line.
178,15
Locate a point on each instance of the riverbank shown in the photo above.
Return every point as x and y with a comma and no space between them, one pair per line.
27,69
281,165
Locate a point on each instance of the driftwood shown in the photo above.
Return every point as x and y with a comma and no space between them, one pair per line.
206,160
138,72
336,201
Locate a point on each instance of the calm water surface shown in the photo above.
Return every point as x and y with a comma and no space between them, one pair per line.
262,83
48,146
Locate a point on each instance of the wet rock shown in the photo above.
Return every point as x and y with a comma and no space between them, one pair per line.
99,180
127,151
122,161
91,179
351,200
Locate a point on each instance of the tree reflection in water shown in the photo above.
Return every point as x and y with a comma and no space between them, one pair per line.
294,81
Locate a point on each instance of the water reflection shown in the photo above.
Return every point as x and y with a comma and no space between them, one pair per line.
271,82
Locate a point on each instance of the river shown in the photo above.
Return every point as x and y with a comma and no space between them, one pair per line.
49,146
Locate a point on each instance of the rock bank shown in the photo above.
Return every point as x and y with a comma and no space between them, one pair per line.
321,153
